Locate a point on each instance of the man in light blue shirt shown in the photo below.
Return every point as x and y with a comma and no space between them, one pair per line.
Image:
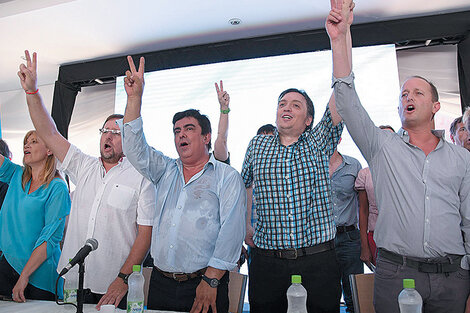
201,206
343,173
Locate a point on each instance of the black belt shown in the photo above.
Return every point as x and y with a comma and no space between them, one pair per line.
182,276
343,229
293,253
423,266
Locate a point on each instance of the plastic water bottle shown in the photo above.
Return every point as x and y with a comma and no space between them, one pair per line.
296,296
135,293
71,285
409,299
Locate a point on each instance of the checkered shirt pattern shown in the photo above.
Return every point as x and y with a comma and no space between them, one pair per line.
293,187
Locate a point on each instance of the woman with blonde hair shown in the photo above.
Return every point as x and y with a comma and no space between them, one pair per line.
32,222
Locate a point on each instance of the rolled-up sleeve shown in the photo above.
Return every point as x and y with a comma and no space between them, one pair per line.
325,135
247,168
232,217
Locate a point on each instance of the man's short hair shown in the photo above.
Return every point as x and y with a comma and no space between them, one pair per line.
266,129
4,150
310,108
453,125
434,93
387,127
202,119
112,117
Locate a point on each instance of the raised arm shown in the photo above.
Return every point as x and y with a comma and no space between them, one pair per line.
220,145
41,119
134,85
338,25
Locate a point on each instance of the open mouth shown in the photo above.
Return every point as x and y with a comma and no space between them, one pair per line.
27,152
183,144
286,117
410,108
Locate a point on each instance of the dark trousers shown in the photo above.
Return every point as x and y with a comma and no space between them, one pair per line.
270,277
94,298
170,295
441,292
8,279
348,254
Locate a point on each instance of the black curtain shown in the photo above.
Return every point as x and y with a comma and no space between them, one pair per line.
62,106
463,57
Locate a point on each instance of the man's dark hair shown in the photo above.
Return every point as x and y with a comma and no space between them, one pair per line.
387,127
202,119
310,108
434,93
4,150
112,117
266,129
453,125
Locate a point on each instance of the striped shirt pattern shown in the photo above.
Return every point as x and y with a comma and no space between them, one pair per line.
293,187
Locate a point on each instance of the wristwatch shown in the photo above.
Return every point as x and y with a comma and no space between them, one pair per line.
124,277
213,282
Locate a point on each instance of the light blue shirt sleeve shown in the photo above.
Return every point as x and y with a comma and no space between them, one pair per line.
149,162
232,223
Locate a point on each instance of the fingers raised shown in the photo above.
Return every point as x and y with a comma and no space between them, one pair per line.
131,64
142,65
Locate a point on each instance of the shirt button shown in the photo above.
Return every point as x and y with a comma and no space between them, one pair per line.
173,225
292,235
426,243
179,208
427,161
171,246
424,181
286,177
427,198
290,216
427,220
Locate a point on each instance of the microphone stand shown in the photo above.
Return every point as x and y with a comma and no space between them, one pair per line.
80,291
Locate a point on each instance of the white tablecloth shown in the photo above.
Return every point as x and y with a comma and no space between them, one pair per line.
35,306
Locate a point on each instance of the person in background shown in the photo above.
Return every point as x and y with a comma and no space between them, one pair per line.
112,202
220,145
343,172
459,133
5,151
368,213
32,223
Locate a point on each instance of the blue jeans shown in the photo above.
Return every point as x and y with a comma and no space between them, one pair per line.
348,254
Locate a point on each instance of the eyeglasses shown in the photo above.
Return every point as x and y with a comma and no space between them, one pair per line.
112,131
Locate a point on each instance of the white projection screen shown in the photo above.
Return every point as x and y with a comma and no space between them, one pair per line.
254,86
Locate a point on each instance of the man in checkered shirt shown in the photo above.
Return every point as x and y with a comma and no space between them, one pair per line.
295,230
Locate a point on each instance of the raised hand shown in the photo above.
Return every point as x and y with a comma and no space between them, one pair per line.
134,80
28,73
340,18
223,96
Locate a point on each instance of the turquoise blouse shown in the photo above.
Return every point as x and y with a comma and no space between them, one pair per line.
28,220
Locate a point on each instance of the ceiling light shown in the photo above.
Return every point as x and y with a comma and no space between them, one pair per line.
99,81
427,42
235,21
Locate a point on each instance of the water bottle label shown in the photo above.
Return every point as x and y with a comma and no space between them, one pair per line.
70,295
135,306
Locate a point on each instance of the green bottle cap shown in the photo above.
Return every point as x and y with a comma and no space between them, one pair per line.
296,279
408,283
136,268
70,260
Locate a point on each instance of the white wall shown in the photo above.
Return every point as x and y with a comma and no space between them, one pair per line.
92,106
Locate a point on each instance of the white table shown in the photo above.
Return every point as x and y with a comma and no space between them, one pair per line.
36,306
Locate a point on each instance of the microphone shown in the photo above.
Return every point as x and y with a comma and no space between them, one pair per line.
90,245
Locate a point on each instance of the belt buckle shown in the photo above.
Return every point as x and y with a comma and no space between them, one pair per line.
288,253
178,278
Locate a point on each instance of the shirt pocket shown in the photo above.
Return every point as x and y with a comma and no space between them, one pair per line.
121,196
